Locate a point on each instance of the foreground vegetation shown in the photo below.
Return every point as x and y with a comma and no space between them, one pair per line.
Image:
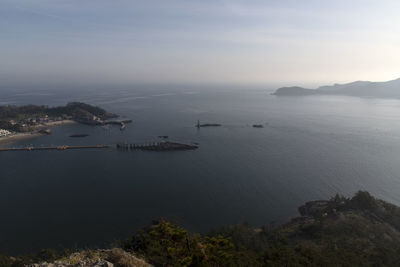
357,231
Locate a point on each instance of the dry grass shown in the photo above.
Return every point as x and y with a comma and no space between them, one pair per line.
87,256
121,258
117,256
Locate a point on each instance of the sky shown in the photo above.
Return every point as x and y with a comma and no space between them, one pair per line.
285,42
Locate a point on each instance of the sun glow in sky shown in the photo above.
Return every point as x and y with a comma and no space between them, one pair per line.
181,41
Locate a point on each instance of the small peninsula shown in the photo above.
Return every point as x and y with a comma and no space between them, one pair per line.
32,120
389,89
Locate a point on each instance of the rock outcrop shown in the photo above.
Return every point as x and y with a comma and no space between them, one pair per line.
97,258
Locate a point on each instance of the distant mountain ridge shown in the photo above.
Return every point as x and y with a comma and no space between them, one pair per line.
389,89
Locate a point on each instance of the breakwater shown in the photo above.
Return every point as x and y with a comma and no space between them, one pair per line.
157,146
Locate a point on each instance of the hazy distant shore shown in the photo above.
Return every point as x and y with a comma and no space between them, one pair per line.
387,89
33,134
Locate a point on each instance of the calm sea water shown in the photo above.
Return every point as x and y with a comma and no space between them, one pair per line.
311,148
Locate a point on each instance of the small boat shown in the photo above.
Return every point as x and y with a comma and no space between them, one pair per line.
163,136
78,135
258,126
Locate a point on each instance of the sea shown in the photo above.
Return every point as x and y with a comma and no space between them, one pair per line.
310,148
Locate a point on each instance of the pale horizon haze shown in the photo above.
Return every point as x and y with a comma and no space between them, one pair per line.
307,43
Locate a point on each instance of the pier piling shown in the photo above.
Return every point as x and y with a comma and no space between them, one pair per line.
157,146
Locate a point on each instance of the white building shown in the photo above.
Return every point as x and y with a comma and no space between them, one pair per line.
4,132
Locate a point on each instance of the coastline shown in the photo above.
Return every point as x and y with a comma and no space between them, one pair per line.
57,123
33,134
19,136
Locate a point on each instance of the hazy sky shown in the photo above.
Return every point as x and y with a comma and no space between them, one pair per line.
240,41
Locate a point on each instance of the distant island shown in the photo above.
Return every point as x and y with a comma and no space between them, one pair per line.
18,121
357,231
389,89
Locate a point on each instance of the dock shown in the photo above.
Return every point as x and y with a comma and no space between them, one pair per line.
157,146
121,123
38,148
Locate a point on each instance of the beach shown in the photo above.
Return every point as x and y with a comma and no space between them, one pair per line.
20,136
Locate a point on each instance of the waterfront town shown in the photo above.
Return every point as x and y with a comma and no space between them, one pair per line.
38,119
29,123
4,133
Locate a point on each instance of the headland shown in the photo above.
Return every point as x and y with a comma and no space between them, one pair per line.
22,122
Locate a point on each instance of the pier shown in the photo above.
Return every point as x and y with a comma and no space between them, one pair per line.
157,146
121,123
35,148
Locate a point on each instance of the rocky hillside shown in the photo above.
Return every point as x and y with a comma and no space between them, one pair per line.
73,109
